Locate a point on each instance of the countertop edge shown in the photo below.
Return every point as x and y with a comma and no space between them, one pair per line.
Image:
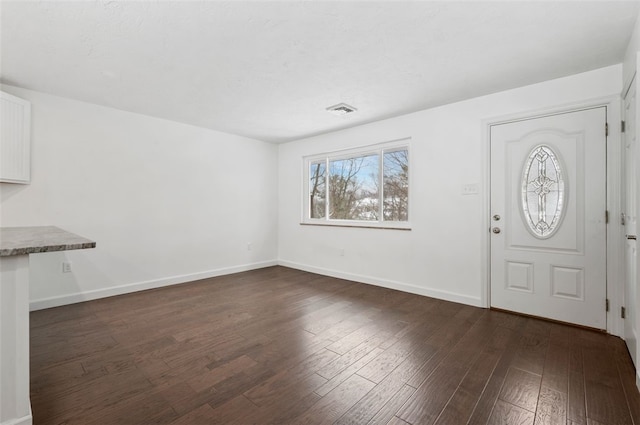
48,248
39,239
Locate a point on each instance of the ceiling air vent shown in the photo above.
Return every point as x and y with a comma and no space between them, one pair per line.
341,109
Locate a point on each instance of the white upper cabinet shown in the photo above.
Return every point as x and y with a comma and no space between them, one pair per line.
15,139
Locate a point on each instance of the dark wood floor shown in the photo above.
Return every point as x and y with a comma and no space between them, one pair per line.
281,346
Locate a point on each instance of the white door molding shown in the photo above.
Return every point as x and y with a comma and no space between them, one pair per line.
615,281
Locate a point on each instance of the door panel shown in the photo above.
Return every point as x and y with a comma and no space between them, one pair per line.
548,202
568,237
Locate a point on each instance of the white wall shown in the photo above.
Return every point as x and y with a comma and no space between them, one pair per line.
155,195
441,255
166,202
630,58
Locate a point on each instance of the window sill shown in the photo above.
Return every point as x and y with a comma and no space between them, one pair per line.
395,226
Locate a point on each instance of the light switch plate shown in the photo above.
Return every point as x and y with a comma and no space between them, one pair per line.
470,189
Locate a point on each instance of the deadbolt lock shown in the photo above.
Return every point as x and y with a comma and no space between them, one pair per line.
496,217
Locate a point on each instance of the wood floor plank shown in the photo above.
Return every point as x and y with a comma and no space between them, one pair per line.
292,383
148,407
179,397
460,408
627,375
284,386
507,414
236,385
436,392
351,324
484,407
387,413
282,346
426,404
420,353
397,421
237,410
328,409
357,337
377,369
276,354
330,321
90,400
532,351
576,404
201,415
349,358
287,412
556,365
374,401
444,339
225,371
521,389
347,372
551,408
605,398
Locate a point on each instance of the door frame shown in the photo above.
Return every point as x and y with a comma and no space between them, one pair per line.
623,96
615,264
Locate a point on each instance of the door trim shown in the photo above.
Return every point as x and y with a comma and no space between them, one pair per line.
615,284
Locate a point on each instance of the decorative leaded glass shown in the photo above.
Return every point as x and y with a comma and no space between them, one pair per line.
543,192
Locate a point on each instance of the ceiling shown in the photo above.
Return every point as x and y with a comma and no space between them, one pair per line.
268,70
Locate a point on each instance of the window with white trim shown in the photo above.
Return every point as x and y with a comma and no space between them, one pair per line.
368,186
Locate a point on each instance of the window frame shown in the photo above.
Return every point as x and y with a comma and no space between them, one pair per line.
362,151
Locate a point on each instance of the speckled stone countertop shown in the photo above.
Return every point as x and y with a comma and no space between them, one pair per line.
31,240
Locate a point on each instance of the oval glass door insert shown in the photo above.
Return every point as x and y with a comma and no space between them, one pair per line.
543,192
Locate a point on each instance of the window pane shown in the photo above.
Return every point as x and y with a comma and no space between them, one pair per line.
396,185
353,188
317,189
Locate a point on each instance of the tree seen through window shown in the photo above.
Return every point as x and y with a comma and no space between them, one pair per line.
353,188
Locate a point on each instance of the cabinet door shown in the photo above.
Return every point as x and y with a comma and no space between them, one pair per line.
15,139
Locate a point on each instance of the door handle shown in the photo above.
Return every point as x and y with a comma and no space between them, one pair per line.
496,230
631,237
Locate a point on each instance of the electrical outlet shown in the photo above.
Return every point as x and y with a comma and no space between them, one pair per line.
66,267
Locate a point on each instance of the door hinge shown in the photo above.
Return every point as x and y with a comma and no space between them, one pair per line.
623,312
622,126
606,129
607,304
622,219
606,216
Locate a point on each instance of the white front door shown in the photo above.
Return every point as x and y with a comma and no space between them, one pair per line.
548,217
630,218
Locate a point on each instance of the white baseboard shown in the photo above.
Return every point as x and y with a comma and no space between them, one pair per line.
400,286
141,286
25,420
66,299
